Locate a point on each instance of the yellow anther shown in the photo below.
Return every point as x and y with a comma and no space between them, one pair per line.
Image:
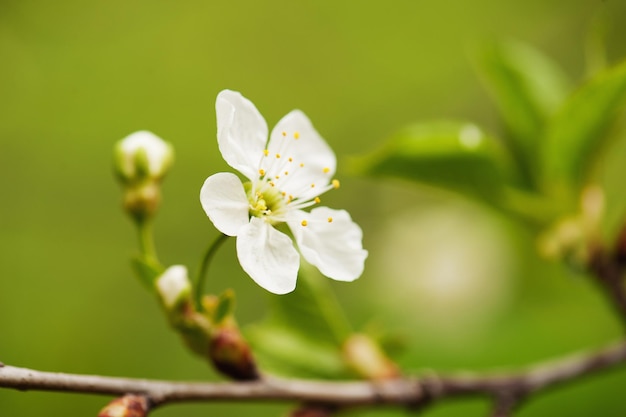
296,135
261,172
326,170
266,152
290,159
330,220
290,198
317,200
304,223
277,155
336,183
312,185
286,172
284,193
277,177
258,194
302,165
284,134
272,184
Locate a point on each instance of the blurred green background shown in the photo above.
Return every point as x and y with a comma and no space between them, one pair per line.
460,284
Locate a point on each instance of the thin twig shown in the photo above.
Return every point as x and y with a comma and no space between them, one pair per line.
400,392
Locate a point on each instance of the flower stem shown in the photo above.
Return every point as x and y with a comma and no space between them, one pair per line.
146,242
204,266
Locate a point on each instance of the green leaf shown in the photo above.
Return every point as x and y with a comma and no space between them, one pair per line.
304,333
146,271
453,155
311,310
527,87
579,129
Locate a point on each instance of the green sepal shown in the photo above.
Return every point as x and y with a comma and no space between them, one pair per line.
146,270
225,306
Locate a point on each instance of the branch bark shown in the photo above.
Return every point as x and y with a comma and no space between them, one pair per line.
409,392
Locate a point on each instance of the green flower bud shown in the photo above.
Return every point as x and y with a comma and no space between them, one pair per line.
141,161
142,156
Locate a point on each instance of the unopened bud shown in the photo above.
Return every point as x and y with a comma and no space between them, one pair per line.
142,156
126,406
174,287
142,201
231,354
141,161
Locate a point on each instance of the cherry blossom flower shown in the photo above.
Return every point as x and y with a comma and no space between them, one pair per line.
286,174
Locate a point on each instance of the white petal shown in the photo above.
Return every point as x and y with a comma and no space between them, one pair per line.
313,161
336,247
173,285
241,132
224,200
268,256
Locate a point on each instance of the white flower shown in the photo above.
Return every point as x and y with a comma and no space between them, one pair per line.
173,285
286,174
143,155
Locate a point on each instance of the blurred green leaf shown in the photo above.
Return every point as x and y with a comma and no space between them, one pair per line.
311,310
527,87
454,155
304,333
280,350
579,129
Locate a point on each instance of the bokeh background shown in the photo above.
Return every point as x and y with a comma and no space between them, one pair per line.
460,285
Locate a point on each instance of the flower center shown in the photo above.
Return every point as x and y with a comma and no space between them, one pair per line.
266,201
284,184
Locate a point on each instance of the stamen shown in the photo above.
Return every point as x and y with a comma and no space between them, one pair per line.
277,156
302,165
336,183
284,134
326,170
272,184
304,223
296,135
266,152
290,159
330,220
286,172
261,172
317,200
312,185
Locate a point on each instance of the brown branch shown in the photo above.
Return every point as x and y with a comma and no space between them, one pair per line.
507,389
608,271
